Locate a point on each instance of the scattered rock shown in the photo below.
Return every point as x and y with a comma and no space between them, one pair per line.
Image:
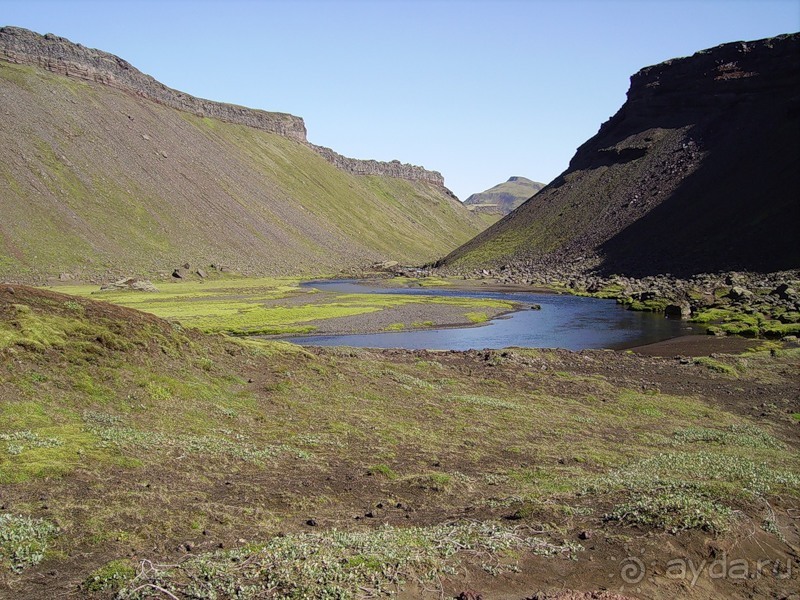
738,293
65,277
469,595
585,535
784,292
130,283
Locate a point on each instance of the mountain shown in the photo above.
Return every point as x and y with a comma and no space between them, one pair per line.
107,171
504,197
698,171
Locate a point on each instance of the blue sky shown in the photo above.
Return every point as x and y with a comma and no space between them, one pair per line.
479,90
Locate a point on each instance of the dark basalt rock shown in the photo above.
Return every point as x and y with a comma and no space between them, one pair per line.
697,172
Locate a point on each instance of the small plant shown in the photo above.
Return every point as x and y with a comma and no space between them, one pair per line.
384,470
18,441
23,541
674,511
72,305
111,576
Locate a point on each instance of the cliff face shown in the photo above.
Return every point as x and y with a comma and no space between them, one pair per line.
697,171
373,167
61,56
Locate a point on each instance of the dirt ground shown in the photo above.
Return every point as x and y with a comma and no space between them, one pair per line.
146,513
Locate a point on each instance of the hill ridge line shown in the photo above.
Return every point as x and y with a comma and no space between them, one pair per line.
59,55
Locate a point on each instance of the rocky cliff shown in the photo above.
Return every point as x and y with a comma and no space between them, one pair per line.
64,57
698,171
374,167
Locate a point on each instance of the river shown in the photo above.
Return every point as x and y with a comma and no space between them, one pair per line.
564,321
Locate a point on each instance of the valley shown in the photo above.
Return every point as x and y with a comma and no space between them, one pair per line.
161,437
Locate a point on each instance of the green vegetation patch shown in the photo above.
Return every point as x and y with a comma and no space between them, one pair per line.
23,540
673,511
111,576
251,306
340,564
717,366
683,490
744,436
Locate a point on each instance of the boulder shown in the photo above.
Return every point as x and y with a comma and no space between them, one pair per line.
180,273
784,291
201,273
680,309
738,293
129,283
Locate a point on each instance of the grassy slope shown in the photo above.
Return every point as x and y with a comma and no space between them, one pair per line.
143,441
505,196
95,179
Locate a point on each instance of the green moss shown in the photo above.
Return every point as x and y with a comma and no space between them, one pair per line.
477,317
716,366
110,577
244,306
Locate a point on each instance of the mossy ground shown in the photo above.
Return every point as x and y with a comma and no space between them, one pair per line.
269,306
142,441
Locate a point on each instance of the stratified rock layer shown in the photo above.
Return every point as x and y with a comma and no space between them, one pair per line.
698,171
59,55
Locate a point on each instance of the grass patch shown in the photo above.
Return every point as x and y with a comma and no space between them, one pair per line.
344,564
716,366
477,317
673,511
743,436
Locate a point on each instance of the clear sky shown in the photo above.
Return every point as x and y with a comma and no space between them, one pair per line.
480,90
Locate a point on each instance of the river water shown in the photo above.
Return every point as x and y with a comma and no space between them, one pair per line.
564,321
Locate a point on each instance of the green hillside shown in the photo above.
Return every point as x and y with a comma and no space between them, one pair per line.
504,197
96,181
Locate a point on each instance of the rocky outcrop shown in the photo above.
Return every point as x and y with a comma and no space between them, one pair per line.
59,55
373,167
697,172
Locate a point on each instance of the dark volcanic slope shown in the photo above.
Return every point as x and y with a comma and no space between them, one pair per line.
504,197
105,171
698,171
